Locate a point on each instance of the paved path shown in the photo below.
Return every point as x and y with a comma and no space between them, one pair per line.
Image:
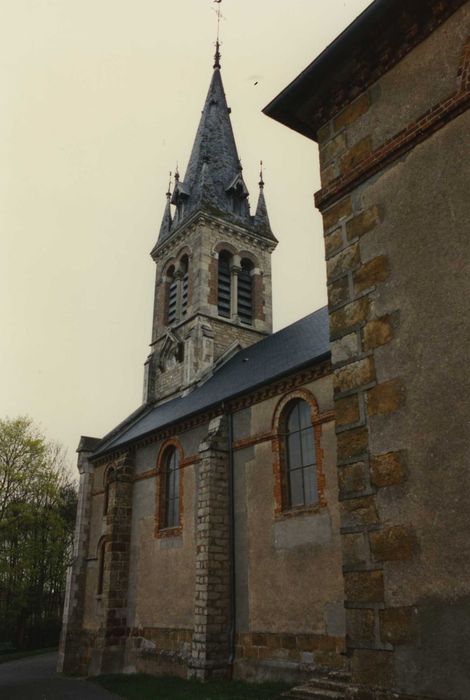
35,678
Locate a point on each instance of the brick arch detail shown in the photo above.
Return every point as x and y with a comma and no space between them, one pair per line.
224,245
171,262
184,250
281,508
303,394
245,254
161,531
214,268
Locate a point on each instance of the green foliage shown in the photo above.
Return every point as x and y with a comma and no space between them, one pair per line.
141,687
37,513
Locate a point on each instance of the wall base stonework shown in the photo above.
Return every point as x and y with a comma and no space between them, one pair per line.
287,657
159,651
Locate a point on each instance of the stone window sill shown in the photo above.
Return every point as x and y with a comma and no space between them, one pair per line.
169,531
299,510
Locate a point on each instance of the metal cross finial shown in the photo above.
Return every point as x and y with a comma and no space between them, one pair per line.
261,181
177,173
217,43
168,194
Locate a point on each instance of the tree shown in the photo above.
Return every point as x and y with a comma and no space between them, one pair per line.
37,513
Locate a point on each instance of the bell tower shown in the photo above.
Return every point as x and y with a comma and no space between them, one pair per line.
213,261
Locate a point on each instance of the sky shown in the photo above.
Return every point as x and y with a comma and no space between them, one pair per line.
99,99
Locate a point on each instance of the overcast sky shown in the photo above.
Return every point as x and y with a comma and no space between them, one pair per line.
98,101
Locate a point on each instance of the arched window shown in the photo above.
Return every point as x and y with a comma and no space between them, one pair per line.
170,502
184,267
224,284
172,297
300,459
245,292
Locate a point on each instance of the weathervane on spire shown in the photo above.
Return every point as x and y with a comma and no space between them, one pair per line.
168,194
261,181
217,43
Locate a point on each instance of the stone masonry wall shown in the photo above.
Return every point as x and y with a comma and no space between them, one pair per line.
394,211
76,642
212,599
201,332
110,646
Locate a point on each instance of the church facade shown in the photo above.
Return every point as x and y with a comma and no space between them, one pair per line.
207,539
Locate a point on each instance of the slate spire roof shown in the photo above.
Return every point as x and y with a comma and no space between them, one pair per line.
261,217
213,181
167,220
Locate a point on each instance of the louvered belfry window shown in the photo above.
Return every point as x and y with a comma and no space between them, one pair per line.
224,286
171,510
172,298
300,456
245,292
185,286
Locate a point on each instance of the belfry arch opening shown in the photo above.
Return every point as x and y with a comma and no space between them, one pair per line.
245,292
224,284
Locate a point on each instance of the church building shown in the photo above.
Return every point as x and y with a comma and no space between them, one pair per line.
295,505
207,537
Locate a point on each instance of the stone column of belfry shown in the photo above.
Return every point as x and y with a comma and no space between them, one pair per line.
73,649
113,631
212,600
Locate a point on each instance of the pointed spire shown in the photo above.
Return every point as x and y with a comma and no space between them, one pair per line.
165,227
213,182
214,146
261,218
217,43
217,55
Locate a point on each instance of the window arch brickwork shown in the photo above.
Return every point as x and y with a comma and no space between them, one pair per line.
282,504
162,528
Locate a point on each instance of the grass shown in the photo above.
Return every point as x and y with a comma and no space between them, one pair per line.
14,655
142,687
